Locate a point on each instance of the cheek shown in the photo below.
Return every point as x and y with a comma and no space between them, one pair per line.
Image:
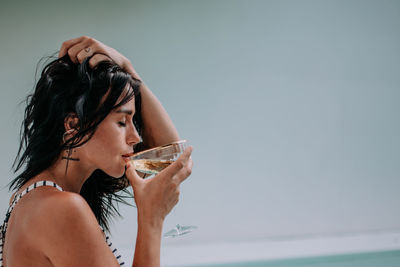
106,149
105,156
95,146
108,135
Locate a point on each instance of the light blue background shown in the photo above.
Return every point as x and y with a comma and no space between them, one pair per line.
292,106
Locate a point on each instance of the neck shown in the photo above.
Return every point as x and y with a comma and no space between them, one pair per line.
69,174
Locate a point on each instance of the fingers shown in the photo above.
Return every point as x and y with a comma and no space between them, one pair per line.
132,175
98,58
179,163
81,48
185,172
181,168
67,44
79,52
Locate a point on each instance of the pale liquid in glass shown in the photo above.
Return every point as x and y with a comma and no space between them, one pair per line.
151,166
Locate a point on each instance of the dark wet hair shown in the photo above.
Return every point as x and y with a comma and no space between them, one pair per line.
66,88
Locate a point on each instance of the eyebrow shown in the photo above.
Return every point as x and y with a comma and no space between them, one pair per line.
126,111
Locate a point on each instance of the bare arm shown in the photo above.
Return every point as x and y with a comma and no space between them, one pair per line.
148,244
158,126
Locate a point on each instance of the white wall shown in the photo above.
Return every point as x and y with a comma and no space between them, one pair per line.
291,106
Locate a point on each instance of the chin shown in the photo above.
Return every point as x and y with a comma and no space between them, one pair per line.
118,174
114,167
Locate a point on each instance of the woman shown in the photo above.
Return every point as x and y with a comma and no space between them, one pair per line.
83,119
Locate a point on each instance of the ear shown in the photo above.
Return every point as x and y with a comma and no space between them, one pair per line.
71,123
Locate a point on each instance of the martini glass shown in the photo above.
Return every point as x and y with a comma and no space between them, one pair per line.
153,161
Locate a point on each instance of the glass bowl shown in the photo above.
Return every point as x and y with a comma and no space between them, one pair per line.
154,160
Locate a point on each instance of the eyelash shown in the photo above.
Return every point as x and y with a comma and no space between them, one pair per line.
122,124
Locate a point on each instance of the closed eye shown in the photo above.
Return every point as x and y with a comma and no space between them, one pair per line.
122,124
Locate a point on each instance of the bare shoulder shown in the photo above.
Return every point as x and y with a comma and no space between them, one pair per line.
68,232
64,212
57,213
67,203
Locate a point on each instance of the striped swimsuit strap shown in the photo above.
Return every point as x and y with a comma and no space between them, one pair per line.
17,197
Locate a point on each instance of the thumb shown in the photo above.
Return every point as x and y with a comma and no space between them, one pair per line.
132,175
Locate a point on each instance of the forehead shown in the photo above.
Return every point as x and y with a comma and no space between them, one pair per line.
131,103
128,107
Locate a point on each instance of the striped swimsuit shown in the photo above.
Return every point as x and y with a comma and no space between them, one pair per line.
17,197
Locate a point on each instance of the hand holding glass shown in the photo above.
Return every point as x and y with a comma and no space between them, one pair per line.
153,161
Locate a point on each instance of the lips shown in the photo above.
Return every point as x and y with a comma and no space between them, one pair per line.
127,155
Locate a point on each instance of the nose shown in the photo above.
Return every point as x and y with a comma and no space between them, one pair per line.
133,136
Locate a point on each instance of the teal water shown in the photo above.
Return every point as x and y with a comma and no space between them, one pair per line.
377,259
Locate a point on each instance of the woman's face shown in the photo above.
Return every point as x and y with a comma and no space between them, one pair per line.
114,137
